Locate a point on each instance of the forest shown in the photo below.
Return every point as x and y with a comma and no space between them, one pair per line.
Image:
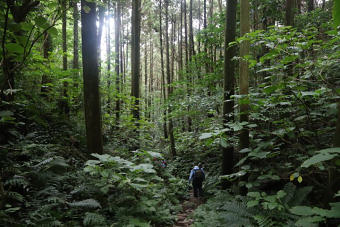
107,106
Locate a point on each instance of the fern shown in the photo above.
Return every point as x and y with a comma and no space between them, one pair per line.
87,203
17,181
43,163
264,221
300,195
16,196
94,219
290,190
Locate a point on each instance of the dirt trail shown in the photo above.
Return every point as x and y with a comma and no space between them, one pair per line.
188,206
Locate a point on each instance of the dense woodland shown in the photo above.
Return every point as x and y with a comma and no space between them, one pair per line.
95,94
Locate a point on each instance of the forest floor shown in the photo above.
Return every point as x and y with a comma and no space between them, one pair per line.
184,218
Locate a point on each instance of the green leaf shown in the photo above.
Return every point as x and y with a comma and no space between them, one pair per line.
336,12
252,203
6,113
280,194
337,194
302,210
147,168
87,203
53,31
15,48
41,22
223,143
205,136
330,150
309,221
317,159
254,194
308,93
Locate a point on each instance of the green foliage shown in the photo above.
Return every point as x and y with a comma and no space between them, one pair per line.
135,188
336,12
227,210
321,156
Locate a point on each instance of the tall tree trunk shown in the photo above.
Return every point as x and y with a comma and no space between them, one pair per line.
310,5
165,130
229,77
205,38
7,65
101,14
337,133
244,71
108,56
180,46
191,33
135,57
173,41
64,102
290,5
76,41
171,133
19,13
220,6
211,10
122,64
199,26
117,58
64,41
187,58
151,79
146,76
91,78
47,48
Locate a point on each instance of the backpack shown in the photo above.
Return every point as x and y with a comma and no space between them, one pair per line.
198,175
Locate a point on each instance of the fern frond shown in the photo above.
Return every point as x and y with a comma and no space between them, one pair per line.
16,196
264,221
17,181
300,195
44,162
290,190
87,203
94,219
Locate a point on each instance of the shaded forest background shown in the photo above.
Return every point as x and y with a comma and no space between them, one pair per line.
94,94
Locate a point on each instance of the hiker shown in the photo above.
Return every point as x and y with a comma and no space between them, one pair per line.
197,176
164,164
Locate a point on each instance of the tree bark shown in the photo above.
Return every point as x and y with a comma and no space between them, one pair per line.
151,78
19,13
187,59
91,77
101,14
146,76
135,57
191,33
337,133
229,77
75,40
310,5
47,48
165,130
244,71
171,133
290,5
64,102
117,58
108,56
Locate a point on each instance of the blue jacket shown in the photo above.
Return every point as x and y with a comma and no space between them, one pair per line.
193,171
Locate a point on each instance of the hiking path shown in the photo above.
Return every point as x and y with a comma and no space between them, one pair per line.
184,218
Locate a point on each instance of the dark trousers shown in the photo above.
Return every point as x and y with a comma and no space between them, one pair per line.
197,185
